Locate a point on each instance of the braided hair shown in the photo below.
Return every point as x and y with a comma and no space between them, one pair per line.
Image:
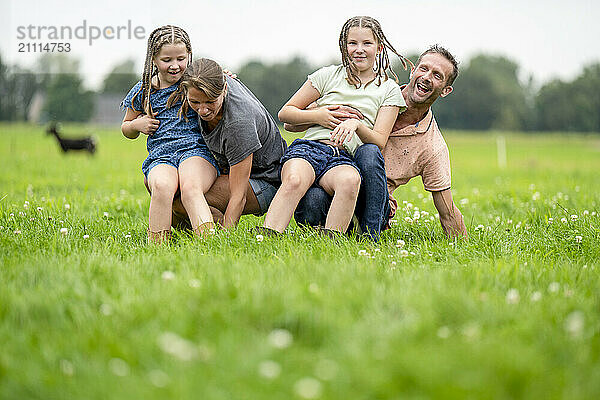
167,34
382,61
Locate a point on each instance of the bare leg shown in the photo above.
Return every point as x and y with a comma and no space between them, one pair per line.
196,176
219,194
297,175
163,182
343,182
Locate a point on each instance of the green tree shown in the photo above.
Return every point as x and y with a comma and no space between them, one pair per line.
18,86
571,106
121,78
66,100
487,95
274,84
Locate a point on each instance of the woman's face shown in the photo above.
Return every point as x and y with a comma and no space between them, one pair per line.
208,109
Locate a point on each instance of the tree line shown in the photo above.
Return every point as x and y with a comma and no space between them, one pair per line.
488,93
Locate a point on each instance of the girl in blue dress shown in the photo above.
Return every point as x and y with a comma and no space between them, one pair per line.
178,157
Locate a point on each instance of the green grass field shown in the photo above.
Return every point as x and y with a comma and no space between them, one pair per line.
95,313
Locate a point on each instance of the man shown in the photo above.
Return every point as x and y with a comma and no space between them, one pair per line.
415,148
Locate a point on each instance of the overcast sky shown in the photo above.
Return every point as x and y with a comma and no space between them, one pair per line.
547,38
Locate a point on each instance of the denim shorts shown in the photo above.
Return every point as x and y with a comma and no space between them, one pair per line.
320,156
264,192
178,156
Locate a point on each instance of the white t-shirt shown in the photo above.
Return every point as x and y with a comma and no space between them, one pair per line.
335,89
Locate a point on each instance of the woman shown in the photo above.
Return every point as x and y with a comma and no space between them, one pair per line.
242,136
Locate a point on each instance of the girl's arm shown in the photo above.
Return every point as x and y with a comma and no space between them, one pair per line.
239,176
386,116
134,123
294,113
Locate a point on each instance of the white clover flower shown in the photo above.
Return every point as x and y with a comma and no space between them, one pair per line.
128,236
26,205
479,227
11,215
416,215
18,232
105,214
400,243
593,213
408,219
393,263
66,367
280,338
86,236
464,202
158,378
512,296
118,367
363,252
444,332
550,220
578,239
586,212
178,347
509,222
574,324
260,238
536,196
168,275
377,251
326,369
105,309
536,296
574,217
403,253
269,369
67,206
563,220
39,209
308,388
194,283
64,231
554,287
409,206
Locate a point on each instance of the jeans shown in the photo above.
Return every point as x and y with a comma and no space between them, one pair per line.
372,206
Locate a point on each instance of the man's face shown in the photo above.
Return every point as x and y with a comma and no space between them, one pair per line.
428,79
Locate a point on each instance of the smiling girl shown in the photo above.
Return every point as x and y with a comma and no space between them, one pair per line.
178,157
324,155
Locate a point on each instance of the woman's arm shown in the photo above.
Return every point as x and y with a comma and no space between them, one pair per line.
384,122
239,176
134,123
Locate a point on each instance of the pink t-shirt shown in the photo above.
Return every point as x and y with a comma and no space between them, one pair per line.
417,150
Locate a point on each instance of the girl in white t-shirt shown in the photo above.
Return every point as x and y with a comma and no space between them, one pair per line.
324,155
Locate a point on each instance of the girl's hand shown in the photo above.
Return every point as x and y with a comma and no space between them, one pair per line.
344,131
146,125
330,116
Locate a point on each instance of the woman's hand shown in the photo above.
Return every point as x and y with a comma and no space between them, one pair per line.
344,131
145,124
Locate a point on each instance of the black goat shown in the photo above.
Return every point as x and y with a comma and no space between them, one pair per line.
85,143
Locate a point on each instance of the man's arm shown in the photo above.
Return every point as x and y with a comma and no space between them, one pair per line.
341,112
450,217
239,176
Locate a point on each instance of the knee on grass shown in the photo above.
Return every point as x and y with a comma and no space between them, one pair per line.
163,188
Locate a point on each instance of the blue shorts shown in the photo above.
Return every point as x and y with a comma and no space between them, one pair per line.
320,156
264,192
178,156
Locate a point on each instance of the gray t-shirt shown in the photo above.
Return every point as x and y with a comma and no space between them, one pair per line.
245,128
